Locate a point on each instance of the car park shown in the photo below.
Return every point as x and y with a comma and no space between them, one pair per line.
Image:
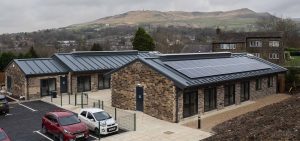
4,107
64,125
3,136
95,116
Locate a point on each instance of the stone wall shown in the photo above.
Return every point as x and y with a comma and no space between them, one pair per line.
18,79
34,85
265,90
159,92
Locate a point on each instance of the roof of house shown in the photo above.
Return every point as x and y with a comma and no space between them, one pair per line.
38,66
98,60
80,61
190,70
240,37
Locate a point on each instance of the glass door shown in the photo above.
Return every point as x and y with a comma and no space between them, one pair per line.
190,104
210,99
245,91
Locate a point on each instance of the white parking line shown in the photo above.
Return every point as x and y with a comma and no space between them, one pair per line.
43,135
27,107
93,137
8,114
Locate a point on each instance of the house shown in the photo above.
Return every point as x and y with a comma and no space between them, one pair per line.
172,87
65,72
266,45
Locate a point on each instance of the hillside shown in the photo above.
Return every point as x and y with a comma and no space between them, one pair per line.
241,18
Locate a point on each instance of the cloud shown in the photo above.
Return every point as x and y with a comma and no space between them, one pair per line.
30,15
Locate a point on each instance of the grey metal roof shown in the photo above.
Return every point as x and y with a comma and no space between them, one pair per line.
39,66
97,61
181,80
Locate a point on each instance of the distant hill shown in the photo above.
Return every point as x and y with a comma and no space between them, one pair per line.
241,18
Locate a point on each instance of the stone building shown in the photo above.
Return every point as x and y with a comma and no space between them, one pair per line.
174,87
266,45
65,72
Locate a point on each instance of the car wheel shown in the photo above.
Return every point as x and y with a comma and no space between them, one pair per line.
44,130
61,137
96,131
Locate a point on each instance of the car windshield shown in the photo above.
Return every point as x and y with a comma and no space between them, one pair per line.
69,120
2,136
101,116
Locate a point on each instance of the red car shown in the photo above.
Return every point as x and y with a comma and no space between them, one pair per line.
64,125
3,136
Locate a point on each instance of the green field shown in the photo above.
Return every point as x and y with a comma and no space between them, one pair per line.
295,61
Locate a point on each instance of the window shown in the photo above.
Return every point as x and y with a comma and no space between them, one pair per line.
90,116
9,83
227,46
273,56
210,99
83,83
256,54
245,90
270,81
229,97
255,44
83,113
103,82
258,84
274,43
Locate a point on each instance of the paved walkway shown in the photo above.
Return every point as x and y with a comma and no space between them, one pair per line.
214,118
148,128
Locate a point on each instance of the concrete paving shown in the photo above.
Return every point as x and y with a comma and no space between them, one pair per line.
148,128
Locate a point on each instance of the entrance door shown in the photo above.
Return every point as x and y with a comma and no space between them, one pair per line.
47,85
190,104
63,84
210,99
229,96
140,99
245,91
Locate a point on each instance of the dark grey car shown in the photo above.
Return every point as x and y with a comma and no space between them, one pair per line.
4,108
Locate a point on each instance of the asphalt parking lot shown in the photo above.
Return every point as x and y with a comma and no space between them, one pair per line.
23,123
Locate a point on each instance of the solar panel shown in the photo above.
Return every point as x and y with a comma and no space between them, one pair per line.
212,67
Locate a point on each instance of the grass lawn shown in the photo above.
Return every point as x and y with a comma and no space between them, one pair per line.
293,62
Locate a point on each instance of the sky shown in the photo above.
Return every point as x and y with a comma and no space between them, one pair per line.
32,15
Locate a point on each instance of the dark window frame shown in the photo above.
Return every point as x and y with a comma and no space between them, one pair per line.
105,81
258,84
211,94
270,81
229,94
83,79
245,91
9,83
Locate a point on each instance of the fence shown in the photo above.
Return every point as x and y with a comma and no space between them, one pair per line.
125,119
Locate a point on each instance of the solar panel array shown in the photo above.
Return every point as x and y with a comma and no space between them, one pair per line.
212,67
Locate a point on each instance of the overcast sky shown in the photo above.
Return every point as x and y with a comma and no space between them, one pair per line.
30,15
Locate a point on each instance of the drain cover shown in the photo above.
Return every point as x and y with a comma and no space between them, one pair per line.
168,132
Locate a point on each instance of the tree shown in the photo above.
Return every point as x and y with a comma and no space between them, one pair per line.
31,53
96,47
285,25
5,58
142,41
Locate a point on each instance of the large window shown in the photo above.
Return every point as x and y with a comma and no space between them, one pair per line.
255,44
229,97
190,103
258,84
274,43
103,82
245,91
83,83
270,81
256,54
210,99
227,46
273,56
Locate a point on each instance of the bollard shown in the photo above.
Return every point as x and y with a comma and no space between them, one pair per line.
61,100
199,122
81,100
69,98
51,96
116,114
94,104
102,105
134,121
99,104
75,99
87,98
